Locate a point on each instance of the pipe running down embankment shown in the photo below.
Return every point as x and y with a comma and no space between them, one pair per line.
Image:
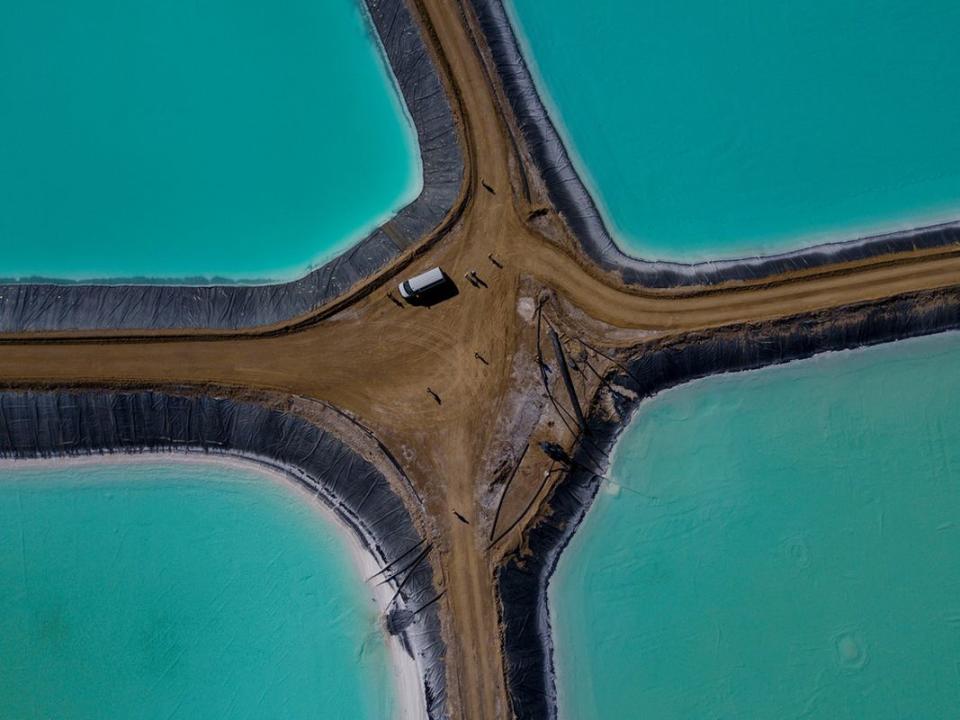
523,578
69,423
567,381
374,360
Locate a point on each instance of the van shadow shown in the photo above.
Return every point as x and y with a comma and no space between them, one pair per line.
448,289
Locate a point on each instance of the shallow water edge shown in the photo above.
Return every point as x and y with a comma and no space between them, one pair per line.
522,581
573,201
101,423
752,552
201,480
43,306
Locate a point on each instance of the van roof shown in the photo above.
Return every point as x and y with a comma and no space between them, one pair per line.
425,279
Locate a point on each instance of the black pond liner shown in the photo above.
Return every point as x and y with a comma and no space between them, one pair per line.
573,201
38,306
522,580
66,423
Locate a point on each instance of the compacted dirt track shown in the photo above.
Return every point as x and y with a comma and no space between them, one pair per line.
375,360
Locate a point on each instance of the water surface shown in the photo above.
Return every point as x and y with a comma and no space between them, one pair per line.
712,129
180,590
785,545
240,139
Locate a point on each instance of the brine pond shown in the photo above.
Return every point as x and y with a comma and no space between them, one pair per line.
181,589
170,140
718,130
783,543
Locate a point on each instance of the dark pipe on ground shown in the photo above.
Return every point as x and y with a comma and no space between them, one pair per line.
567,380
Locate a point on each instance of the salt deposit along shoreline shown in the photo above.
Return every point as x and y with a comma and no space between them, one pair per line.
63,429
373,360
534,128
524,577
704,567
403,667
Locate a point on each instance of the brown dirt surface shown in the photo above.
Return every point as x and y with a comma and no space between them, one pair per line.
375,360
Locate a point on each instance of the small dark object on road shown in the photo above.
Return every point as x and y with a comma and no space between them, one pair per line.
461,518
481,358
469,278
395,301
496,262
488,188
478,279
435,396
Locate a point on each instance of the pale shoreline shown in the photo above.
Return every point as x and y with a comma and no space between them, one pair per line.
406,675
634,247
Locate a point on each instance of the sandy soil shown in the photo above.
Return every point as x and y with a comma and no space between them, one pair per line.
375,360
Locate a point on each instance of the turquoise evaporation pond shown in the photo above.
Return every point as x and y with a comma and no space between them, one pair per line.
786,545
721,129
180,590
173,139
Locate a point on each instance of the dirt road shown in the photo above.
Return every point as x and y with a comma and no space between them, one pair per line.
376,360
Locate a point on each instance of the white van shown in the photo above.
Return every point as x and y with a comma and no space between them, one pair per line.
422,283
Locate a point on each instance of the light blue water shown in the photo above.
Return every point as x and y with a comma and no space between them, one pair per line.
171,139
793,554
712,129
181,590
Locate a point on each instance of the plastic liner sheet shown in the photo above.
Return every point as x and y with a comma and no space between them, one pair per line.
45,424
522,580
573,201
50,306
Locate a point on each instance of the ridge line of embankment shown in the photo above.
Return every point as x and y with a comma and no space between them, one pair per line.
524,575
